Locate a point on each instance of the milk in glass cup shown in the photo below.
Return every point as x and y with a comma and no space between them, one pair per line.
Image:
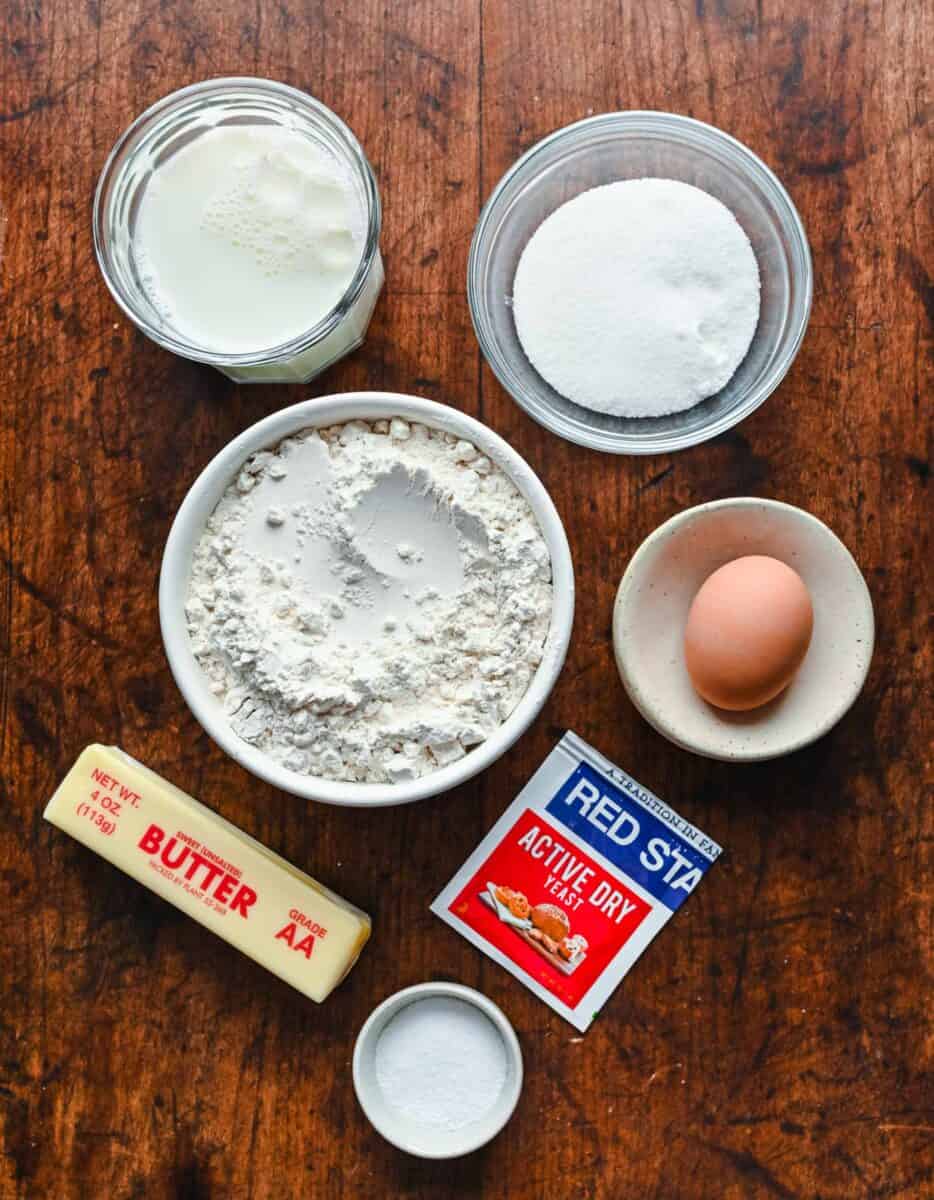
236,222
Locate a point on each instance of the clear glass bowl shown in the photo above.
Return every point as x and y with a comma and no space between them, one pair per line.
168,126
633,145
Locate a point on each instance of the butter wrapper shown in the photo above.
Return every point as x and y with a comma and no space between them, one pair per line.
575,880
217,874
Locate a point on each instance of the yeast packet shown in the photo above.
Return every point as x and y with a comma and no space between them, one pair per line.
575,879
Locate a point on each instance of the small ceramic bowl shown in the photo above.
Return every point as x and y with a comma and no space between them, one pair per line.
201,501
651,612
395,1127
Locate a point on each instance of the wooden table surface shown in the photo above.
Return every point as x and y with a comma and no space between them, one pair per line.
776,1040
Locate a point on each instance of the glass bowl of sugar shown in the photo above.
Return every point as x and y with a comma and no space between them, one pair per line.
611,314
236,223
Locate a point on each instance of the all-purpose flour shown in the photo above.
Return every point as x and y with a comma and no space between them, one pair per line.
369,601
638,298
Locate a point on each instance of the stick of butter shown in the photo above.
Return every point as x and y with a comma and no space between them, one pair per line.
210,869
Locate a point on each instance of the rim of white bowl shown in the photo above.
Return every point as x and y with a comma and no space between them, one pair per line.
653,716
365,1045
200,502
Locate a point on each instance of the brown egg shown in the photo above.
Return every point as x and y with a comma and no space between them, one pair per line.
747,633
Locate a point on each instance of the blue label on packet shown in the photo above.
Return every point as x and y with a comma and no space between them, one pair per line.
621,825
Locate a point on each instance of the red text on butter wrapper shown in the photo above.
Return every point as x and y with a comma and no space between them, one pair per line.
175,852
294,940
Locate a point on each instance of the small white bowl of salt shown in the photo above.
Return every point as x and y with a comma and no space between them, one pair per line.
437,1069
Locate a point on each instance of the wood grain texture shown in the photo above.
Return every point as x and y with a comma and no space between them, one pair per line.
776,1040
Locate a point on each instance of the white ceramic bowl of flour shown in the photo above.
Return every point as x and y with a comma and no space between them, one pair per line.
202,501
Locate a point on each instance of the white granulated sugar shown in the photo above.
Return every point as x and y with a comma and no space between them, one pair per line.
369,601
441,1062
638,298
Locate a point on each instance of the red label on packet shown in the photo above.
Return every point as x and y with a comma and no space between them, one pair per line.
575,879
531,861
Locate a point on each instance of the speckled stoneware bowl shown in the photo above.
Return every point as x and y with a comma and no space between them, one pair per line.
651,611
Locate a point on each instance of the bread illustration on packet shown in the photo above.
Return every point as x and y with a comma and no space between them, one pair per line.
545,927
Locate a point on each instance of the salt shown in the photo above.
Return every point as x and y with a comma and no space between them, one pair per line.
638,298
440,1062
